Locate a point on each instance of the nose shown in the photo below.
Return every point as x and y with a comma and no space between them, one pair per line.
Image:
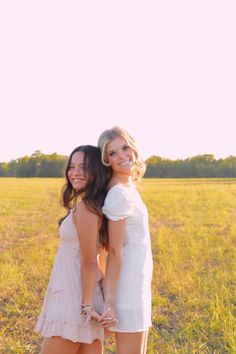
121,154
78,170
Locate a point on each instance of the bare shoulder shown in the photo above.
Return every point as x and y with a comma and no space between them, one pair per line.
84,214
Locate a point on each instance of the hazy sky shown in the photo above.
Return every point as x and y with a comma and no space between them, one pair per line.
164,70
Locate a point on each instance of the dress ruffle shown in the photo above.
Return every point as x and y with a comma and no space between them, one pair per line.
72,329
60,316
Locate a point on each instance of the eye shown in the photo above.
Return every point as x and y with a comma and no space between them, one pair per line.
126,147
84,167
112,153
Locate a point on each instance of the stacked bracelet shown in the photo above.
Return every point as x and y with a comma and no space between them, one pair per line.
86,312
108,304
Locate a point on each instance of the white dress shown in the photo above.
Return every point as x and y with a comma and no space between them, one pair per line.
60,314
133,294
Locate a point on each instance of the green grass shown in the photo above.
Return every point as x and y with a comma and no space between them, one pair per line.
193,228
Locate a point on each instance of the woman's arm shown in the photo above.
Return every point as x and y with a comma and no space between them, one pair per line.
87,228
116,231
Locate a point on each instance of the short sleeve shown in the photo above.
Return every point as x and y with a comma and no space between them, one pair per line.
118,204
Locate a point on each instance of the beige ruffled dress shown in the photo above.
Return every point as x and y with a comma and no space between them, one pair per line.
60,314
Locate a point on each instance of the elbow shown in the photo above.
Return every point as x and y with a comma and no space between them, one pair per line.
89,264
115,253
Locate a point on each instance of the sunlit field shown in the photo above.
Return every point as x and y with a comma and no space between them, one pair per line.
193,229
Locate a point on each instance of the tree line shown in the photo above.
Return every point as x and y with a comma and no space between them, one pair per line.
53,165
201,166
36,165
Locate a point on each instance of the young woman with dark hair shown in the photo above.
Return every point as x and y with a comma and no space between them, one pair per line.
69,320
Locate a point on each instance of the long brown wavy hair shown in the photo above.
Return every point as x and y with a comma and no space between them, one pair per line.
94,192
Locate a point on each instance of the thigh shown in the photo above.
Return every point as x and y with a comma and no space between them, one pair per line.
94,348
59,345
131,343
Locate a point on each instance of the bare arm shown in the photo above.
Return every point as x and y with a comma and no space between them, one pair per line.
116,230
87,229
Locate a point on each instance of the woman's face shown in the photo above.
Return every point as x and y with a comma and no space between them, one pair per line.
120,156
76,173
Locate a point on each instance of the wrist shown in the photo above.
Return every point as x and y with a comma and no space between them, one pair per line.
109,300
86,312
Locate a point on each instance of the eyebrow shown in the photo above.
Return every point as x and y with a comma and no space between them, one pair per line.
118,149
80,164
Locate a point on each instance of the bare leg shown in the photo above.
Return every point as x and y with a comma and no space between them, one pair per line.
94,348
59,345
145,343
131,343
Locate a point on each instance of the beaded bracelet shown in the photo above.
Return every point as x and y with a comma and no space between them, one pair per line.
86,312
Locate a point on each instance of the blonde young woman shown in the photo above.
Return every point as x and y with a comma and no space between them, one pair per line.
129,265
69,317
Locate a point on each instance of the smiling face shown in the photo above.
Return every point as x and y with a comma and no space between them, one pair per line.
120,156
76,170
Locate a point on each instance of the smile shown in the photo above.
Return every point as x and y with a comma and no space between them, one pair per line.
124,163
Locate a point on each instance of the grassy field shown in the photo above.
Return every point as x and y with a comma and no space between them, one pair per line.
193,228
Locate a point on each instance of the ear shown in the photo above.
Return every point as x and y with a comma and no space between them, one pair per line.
108,164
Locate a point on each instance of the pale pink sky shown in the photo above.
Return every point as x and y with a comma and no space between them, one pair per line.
164,70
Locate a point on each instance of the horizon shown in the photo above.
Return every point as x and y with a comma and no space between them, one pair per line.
146,158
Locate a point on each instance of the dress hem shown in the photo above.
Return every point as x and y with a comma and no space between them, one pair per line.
82,341
130,331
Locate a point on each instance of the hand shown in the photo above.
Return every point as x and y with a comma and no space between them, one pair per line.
88,312
95,316
108,318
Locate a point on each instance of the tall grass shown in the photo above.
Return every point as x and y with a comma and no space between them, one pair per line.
193,228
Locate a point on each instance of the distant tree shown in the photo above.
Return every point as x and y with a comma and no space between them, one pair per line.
52,166
4,170
12,168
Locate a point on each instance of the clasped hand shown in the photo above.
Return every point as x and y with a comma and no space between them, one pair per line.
107,318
